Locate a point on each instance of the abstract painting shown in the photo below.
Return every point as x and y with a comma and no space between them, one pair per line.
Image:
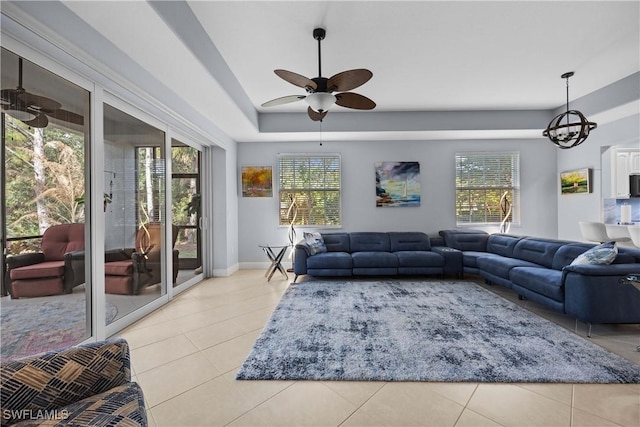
397,184
257,181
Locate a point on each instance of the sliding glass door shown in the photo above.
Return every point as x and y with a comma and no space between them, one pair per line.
134,209
186,209
45,302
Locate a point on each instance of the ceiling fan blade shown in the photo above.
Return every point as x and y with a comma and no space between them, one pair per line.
283,100
41,121
39,102
296,79
315,116
67,116
348,80
355,101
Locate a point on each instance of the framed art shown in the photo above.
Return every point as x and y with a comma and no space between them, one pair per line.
575,181
257,181
397,184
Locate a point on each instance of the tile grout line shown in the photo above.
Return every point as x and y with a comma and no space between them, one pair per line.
359,407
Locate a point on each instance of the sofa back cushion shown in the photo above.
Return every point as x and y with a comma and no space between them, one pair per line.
465,240
502,244
409,241
57,240
567,253
370,241
336,242
627,255
539,251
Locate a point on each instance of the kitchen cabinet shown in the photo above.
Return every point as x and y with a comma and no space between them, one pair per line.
624,162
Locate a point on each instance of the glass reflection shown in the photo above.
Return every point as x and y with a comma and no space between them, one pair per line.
45,136
134,182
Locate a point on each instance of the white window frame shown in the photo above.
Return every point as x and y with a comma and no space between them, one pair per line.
489,183
305,212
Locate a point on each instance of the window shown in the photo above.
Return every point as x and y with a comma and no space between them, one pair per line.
482,179
313,182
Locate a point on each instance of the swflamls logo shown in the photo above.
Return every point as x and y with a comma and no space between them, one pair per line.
35,414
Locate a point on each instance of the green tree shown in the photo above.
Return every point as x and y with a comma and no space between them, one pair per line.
44,177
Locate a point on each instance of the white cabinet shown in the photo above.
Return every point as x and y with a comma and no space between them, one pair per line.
634,162
624,162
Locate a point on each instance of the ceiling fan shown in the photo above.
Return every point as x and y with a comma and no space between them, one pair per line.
320,89
33,109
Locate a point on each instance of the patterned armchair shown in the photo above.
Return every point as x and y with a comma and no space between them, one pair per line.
56,269
87,385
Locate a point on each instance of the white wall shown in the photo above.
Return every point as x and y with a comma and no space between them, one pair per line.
219,185
258,217
591,153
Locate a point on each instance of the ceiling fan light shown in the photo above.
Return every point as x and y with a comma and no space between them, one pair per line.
320,101
21,115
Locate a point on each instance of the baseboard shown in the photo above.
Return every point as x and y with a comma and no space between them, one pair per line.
224,272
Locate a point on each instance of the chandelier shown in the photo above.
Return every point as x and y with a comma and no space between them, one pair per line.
571,128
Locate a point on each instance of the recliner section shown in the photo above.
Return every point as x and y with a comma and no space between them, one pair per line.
540,270
376,254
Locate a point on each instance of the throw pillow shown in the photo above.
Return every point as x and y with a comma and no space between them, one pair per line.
602,254
315,243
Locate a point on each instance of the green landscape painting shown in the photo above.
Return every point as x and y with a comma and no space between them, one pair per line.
575,181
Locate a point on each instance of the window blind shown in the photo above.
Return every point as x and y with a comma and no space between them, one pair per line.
481,181
313,181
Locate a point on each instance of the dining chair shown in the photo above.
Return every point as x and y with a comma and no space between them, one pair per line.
594,231
619,234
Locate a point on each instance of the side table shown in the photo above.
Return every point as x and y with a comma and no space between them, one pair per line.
275,255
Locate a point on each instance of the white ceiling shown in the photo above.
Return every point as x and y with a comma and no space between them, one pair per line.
426,56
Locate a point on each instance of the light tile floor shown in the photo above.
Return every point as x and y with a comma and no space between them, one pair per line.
185,357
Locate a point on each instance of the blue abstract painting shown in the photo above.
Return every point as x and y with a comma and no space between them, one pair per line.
397,184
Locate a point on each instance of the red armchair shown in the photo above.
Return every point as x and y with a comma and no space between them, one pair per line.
129,271
55,270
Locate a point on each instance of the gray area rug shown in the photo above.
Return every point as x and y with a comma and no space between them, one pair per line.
420,331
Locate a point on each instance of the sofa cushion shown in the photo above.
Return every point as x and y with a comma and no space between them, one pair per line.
539,251
315,243
40,287
36,271
119,268
369,242
567,253
409,241
500,266
601,254
374,260
330,260
470,258
544,281
336,242
627,256
465,240
419,259
502,244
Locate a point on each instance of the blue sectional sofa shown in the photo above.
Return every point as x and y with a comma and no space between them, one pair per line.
540,270
376,254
